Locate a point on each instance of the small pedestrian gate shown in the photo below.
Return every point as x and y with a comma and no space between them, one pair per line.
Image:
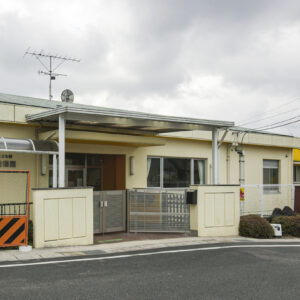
14,216
153,210
109,211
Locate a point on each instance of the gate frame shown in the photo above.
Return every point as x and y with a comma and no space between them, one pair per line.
26,216
160,191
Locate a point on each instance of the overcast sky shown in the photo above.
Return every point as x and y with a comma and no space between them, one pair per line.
227,60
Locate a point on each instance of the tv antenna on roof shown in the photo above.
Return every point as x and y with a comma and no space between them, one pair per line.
40,56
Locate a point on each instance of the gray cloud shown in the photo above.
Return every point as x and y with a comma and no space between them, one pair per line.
212,59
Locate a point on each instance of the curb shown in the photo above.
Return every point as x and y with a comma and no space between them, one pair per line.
129,246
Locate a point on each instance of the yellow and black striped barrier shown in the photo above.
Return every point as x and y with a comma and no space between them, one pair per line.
13,231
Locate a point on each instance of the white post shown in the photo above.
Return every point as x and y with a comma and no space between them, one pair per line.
293,196
215,157
54,172
261,200
61,158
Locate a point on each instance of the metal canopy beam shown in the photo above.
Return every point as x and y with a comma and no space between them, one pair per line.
126,119
121,119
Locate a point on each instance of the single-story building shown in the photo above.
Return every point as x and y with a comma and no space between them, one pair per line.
131,155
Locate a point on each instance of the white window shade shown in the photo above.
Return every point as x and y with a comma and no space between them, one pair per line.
271,164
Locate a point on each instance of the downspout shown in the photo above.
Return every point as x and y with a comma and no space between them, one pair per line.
242,175
241,154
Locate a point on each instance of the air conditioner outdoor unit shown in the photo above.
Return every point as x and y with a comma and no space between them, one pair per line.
277,230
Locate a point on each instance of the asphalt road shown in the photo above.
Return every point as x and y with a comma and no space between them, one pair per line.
230,273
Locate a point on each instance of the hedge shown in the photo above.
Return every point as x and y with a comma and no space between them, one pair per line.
290,225
256,227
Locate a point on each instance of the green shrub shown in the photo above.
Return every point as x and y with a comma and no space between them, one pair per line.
290,224
256,227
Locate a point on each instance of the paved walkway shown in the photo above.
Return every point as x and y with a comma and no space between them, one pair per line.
60,252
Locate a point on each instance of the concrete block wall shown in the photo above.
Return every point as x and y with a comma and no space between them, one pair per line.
217,212
62,217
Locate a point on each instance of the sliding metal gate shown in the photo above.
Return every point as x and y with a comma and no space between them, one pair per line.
109,211
153,210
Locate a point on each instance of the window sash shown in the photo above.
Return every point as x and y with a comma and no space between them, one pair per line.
175,174
271,175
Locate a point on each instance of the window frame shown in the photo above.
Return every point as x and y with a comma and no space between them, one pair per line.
271,189
295,177
161,171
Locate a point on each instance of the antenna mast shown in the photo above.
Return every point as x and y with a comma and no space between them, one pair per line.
50,70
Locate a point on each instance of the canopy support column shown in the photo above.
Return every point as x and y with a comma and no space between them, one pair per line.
54,170
61,158
215,157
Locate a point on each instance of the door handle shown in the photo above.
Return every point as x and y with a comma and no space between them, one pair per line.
105,203
101,203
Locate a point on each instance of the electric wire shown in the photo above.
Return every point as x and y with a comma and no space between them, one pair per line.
279,122
250,130
282,125
270,117
267,112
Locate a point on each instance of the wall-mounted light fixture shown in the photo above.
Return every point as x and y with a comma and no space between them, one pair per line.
131,165
43,164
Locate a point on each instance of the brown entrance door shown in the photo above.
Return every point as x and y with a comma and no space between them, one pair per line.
110,198
113,172
297,199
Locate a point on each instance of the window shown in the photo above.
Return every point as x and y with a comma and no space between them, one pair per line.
81,170
199,171
153,172
174,172
271,175
177,172
297,173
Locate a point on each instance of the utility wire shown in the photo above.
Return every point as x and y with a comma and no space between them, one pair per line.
271,110
271,117
283,125
268,128
279,122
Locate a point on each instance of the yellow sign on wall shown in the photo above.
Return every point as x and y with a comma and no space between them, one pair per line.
242,194
296,154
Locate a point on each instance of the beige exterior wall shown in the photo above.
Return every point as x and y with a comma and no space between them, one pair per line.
63,217
193,145
17,113
250,138
254,156
217,212
172,148
13,186
228,162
